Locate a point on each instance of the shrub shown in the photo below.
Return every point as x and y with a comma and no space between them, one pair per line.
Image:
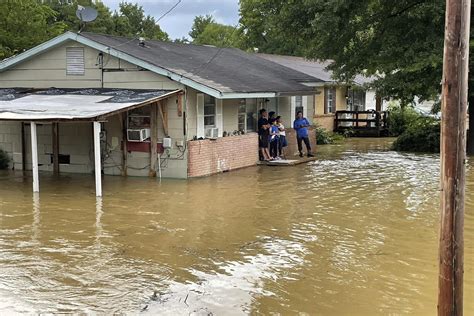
4,160
423,135
400,118
324,137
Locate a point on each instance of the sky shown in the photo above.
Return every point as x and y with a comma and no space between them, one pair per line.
179,21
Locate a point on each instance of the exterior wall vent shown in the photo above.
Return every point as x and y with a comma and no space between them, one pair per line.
75,65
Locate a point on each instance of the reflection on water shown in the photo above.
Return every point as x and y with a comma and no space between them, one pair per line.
353,233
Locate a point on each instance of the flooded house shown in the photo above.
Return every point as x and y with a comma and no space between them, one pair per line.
84,103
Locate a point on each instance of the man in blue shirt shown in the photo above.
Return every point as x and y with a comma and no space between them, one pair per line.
301,125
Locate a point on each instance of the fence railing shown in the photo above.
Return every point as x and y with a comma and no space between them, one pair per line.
370,122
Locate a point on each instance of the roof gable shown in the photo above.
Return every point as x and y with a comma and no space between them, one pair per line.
221,72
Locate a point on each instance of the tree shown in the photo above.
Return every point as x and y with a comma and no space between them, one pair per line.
199,24
66,12
219,35
24,24
131,21
262,27
398,42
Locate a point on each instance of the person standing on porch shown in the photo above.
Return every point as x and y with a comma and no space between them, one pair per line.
263,134
282,141
301,125
274,140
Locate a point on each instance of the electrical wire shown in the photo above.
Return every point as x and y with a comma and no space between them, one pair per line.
156,21
167,12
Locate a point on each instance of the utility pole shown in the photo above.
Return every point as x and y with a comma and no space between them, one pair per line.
453,156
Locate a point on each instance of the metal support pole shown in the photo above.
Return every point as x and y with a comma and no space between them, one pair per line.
34,157
97,160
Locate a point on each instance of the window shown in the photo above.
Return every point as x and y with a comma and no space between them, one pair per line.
329,100
75,61
139,118
356,100
247,115
209,111
299,104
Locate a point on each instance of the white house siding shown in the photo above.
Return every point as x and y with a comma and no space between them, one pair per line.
49,70
10,141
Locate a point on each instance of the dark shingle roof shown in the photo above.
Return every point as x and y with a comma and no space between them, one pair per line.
224,69
316,69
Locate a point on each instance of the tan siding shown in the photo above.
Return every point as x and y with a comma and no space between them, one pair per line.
230,115
49,70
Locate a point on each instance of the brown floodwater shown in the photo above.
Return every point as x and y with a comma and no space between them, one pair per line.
353,233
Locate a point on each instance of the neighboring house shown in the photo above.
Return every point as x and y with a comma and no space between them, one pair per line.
196,96
331,96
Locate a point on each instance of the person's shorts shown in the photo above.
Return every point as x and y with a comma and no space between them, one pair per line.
263,141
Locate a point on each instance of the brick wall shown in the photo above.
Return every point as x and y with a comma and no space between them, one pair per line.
325,120
292,149
206,157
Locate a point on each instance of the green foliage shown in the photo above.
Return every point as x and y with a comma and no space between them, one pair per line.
324,137
264,24
24,24
27,23
422,135
199,24
4,160
400,118
131,21
206,31
398,42
219,35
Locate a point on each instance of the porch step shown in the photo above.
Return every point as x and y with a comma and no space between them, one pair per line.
286,162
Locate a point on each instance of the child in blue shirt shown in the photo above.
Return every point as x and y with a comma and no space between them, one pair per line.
274,139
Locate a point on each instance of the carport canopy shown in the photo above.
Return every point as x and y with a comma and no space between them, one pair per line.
72,105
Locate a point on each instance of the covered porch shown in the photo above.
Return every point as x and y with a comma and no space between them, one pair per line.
85,112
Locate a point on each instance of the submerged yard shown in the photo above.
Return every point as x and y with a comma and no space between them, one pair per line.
353,233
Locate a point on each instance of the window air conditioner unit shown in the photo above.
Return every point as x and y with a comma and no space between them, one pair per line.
212,132
138,135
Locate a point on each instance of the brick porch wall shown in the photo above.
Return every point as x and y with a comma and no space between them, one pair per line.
292,149
208,156
325,120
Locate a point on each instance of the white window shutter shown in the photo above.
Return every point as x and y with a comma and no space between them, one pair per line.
200,115
219,118
75,64
305,106
293,109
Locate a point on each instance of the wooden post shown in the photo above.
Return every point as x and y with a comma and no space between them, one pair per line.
97,160
123,125
153,139
34,157
453,155
470,137
336,121
164,115
377,122
55,133
23,147
378,103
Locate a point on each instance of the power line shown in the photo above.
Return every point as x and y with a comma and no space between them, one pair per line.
171,9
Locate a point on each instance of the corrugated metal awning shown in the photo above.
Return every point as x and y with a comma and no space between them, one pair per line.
68,104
